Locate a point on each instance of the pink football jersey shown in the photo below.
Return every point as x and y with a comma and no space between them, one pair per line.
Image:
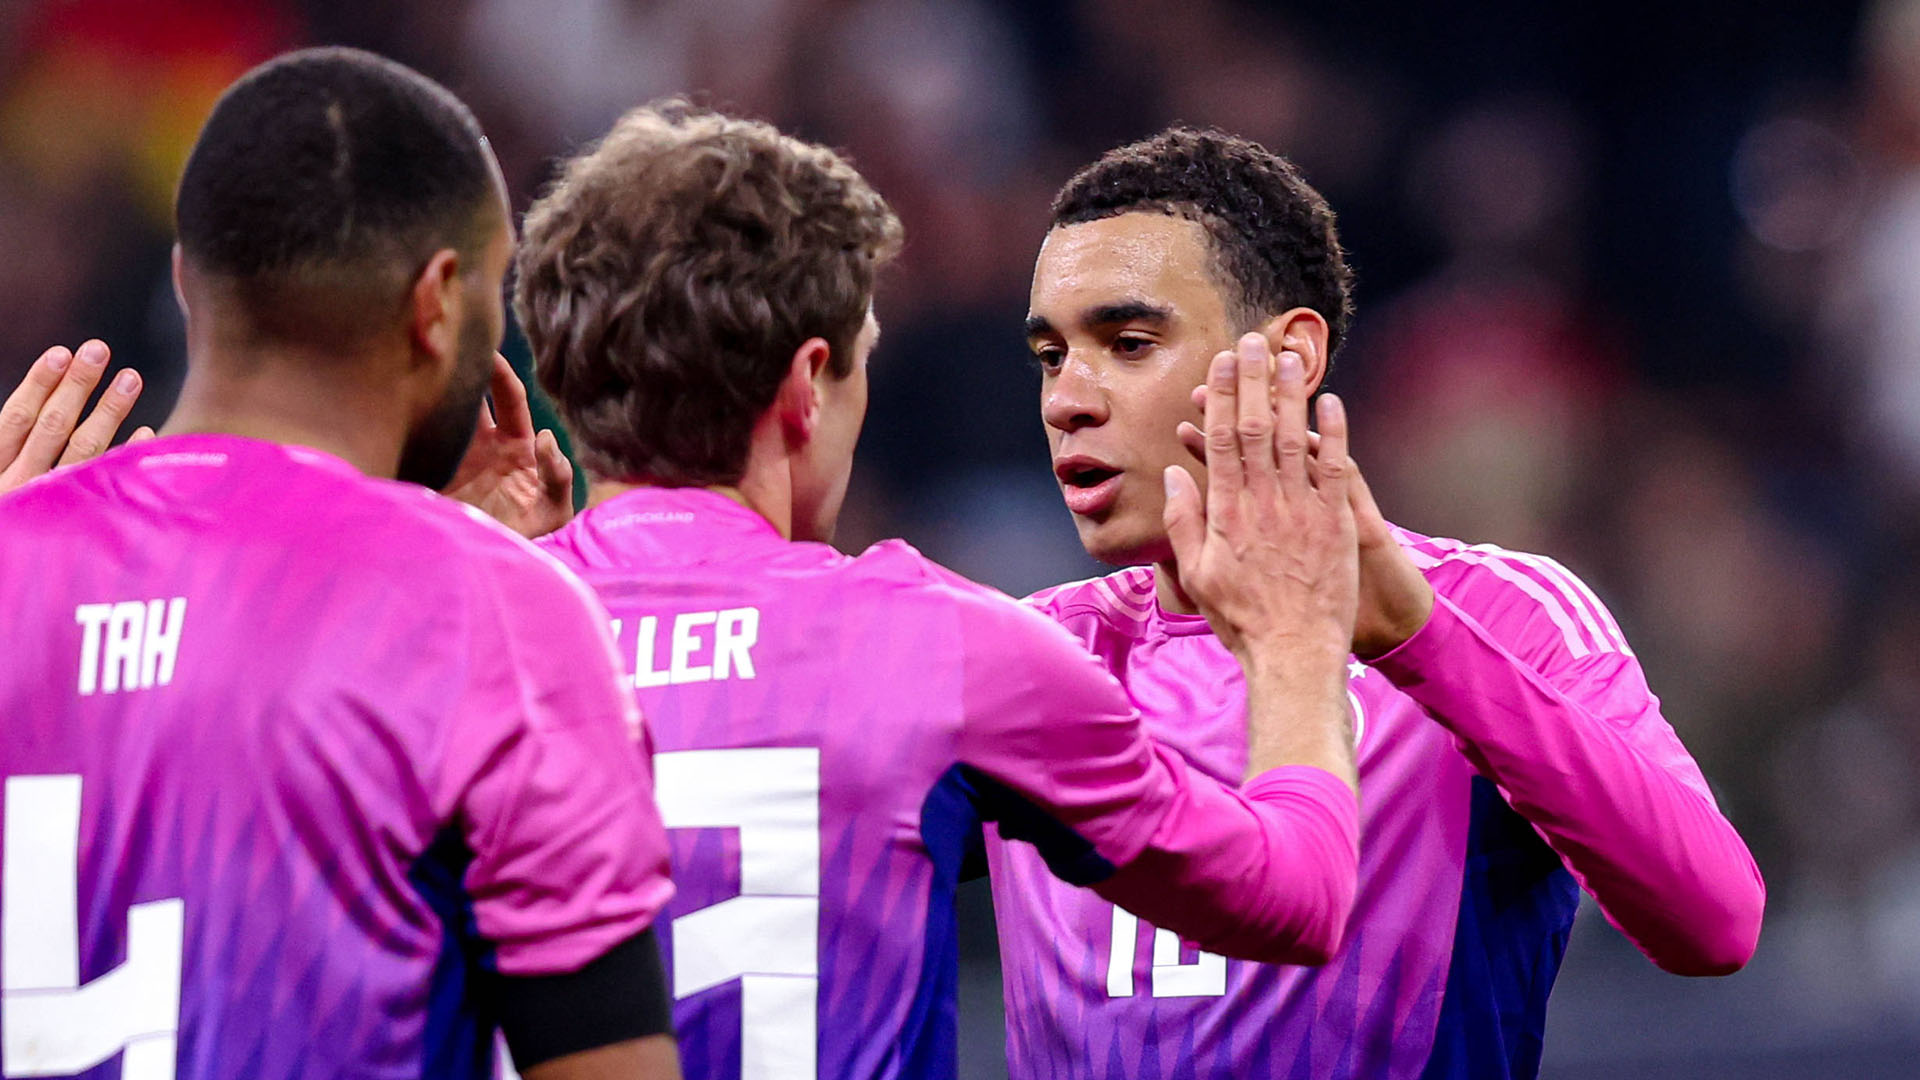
1511,739
291,754
831,730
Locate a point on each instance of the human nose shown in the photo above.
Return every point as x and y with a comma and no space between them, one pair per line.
1073,398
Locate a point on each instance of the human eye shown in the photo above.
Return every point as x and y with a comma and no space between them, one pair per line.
1048,358
1132,345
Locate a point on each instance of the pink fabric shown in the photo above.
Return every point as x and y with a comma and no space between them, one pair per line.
1522,664
1557,712
373,690
1266,872
925,695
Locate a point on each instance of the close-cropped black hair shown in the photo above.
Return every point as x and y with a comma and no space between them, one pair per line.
329,165
1272,234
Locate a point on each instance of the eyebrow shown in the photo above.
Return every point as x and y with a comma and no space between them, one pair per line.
1124,311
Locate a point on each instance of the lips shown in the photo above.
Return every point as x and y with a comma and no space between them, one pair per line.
1088,484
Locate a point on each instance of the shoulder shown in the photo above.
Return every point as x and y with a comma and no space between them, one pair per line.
55,501
1517,594
901,565
470,552
991,620
1120,602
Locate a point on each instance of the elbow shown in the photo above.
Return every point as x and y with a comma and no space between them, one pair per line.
1723,942
1315,939
1310,947
1314,950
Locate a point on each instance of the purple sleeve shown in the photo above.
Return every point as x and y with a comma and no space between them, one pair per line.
1264,873
1530,674
554,784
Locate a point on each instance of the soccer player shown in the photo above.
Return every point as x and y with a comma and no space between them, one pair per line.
1508,746
698,293
309,773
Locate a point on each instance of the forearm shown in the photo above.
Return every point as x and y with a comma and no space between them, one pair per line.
1297,711
1664,864
1265,874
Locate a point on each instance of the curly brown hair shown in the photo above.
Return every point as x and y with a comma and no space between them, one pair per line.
1273,237
668,276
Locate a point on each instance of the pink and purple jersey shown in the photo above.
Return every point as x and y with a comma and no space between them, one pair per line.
830,732
1509,753
292,757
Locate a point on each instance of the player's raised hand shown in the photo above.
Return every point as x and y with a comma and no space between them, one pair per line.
1271,555
1394,599
518,477
40,424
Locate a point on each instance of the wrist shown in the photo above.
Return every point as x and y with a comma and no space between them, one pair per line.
1293,658
1376,637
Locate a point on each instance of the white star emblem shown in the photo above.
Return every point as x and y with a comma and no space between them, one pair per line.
1356,670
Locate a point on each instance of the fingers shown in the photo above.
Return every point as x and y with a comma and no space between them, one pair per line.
1290,420
1255,425
1226,476
1184,516
140,434
510,409
556,472
48,435
1331,466
1370,525
23,405
95,433
1194,440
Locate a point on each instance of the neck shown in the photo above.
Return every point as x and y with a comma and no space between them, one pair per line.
1166,587
285,395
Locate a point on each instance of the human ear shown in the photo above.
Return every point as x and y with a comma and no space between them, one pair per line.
798,399
434,308
1303,332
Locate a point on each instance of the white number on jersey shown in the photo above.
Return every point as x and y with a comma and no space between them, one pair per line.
768,936
1205,977
53,1026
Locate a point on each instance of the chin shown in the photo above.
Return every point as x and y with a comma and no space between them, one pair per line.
1119,542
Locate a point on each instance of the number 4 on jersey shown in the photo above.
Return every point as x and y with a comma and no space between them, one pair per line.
50,1025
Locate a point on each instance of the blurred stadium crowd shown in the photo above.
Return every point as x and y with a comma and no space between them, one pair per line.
1640,287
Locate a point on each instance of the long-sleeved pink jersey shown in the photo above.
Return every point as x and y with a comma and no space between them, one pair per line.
831,729
1509,753
292,757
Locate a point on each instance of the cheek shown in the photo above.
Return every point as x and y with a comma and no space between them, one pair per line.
1153,427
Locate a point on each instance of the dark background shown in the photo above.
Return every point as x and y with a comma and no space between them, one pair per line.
1640,288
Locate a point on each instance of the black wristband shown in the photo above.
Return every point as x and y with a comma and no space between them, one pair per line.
620,996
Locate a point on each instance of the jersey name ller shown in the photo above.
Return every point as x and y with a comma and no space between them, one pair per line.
696,646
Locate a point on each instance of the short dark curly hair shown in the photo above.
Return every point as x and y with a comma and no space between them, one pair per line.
668,277
1272,234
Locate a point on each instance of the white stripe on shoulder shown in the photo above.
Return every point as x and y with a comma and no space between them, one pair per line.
1568,596
1614,633
1421,559
1515,574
